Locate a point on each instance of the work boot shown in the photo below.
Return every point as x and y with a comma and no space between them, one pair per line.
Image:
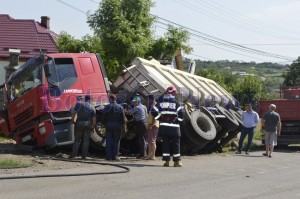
178,164
166,164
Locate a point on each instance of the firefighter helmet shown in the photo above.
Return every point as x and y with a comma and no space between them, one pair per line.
171,90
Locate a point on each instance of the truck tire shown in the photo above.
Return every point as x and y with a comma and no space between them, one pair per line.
97,141
193,140
213,145
211,117
229,123
203,126
189,145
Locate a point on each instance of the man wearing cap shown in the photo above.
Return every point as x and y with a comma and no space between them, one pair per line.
140,115
250,119
85,122
169,113
271,126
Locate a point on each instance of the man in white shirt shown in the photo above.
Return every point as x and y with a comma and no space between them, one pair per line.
250,119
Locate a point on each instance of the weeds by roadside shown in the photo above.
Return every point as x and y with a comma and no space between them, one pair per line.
11,164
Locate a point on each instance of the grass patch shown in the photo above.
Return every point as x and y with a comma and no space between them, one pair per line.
11,164
258,135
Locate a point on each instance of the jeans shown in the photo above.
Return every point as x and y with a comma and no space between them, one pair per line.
244,133
81,133
142,139
113,136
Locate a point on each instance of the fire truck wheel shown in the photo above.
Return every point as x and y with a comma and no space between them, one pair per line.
229,123
203,126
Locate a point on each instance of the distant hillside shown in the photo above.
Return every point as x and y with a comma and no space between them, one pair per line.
271,73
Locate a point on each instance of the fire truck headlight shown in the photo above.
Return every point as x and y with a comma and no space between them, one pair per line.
42,130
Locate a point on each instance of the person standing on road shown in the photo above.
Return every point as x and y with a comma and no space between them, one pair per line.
113,120
250,119
271,126
169,113
140,115
152,129
84,124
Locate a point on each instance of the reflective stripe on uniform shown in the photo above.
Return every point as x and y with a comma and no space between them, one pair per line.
179,108
157,116
168,113
168,124
176,155
179,119
166,154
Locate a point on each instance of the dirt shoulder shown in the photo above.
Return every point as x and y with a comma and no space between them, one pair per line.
32,160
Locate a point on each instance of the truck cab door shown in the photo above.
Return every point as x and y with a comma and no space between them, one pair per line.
4,127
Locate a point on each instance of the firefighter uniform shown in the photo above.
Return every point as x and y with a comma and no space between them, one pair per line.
169,113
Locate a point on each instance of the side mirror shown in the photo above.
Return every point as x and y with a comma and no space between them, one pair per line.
47,70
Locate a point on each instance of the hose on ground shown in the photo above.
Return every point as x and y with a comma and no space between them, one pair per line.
125,170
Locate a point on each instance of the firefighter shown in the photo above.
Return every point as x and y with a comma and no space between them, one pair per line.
169,113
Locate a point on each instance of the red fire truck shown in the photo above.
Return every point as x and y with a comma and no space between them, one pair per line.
36,99
288,107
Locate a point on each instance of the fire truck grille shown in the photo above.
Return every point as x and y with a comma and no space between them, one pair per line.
23,116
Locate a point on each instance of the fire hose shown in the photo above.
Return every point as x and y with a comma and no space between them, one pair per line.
125,170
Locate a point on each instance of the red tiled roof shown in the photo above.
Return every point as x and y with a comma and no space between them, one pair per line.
27,35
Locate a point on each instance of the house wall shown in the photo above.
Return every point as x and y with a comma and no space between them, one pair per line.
2,70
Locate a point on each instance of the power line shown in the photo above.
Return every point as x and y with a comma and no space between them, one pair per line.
73,7
226,43
209,38
263,24
246,44
230,20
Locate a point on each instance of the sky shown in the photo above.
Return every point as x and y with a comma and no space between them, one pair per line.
239,30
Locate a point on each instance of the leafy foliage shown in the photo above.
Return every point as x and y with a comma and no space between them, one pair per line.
292,77
249,90
67,43
166,47
124,28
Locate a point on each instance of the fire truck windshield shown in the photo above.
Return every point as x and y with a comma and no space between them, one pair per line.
63,75
29,76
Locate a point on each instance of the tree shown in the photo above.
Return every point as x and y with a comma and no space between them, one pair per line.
249,90
174,41
67,43
292,77
124,28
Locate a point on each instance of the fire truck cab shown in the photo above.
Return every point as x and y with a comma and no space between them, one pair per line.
36,99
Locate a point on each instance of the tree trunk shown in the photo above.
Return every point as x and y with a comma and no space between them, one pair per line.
178,60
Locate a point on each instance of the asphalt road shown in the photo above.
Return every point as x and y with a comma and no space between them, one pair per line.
206,176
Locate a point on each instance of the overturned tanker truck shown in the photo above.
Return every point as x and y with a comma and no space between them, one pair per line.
212,116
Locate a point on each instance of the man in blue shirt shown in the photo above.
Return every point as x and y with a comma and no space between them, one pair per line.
85,122
250,119
113,119
140,115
